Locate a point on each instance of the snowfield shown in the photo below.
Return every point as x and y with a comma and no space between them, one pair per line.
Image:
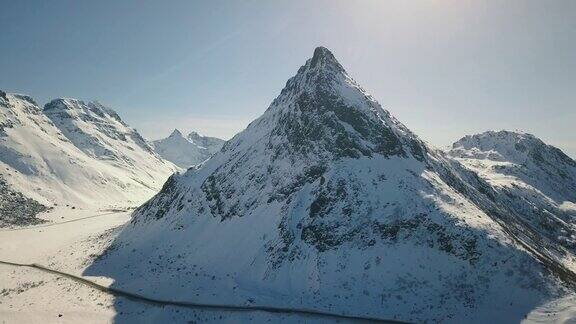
71,241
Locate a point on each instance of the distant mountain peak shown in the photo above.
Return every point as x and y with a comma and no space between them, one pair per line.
512,146
499,136
194,135
94,128
520,157
539,179
187,151
176,133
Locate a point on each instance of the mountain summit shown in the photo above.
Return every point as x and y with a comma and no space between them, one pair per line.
523,156
98,130
326,201
74,152
187,151
176,134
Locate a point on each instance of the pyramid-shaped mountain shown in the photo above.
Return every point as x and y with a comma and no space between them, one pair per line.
328,202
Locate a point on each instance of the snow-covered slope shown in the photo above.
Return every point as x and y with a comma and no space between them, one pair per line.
327,201
525,157
539,180
100,133
212,144
187,151
75,153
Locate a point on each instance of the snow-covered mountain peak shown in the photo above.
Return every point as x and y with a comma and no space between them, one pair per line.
16,106
76,152
539,180
323,111
176,137
75,108
321,118
187,151
522,157
324,59
321,73
509,146
326,199
194,136
96,129
19,102
212,144
26,98
176,134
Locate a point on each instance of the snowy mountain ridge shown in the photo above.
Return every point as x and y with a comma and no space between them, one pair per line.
213,144
328,200
97,130
527,153
187,151
75,153
538,180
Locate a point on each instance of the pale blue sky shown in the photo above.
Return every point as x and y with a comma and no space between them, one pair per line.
444,68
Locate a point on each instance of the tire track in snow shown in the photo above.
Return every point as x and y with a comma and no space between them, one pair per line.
59,223
223,307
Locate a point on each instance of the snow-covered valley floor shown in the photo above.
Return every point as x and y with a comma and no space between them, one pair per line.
69,242
71,239
64,243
